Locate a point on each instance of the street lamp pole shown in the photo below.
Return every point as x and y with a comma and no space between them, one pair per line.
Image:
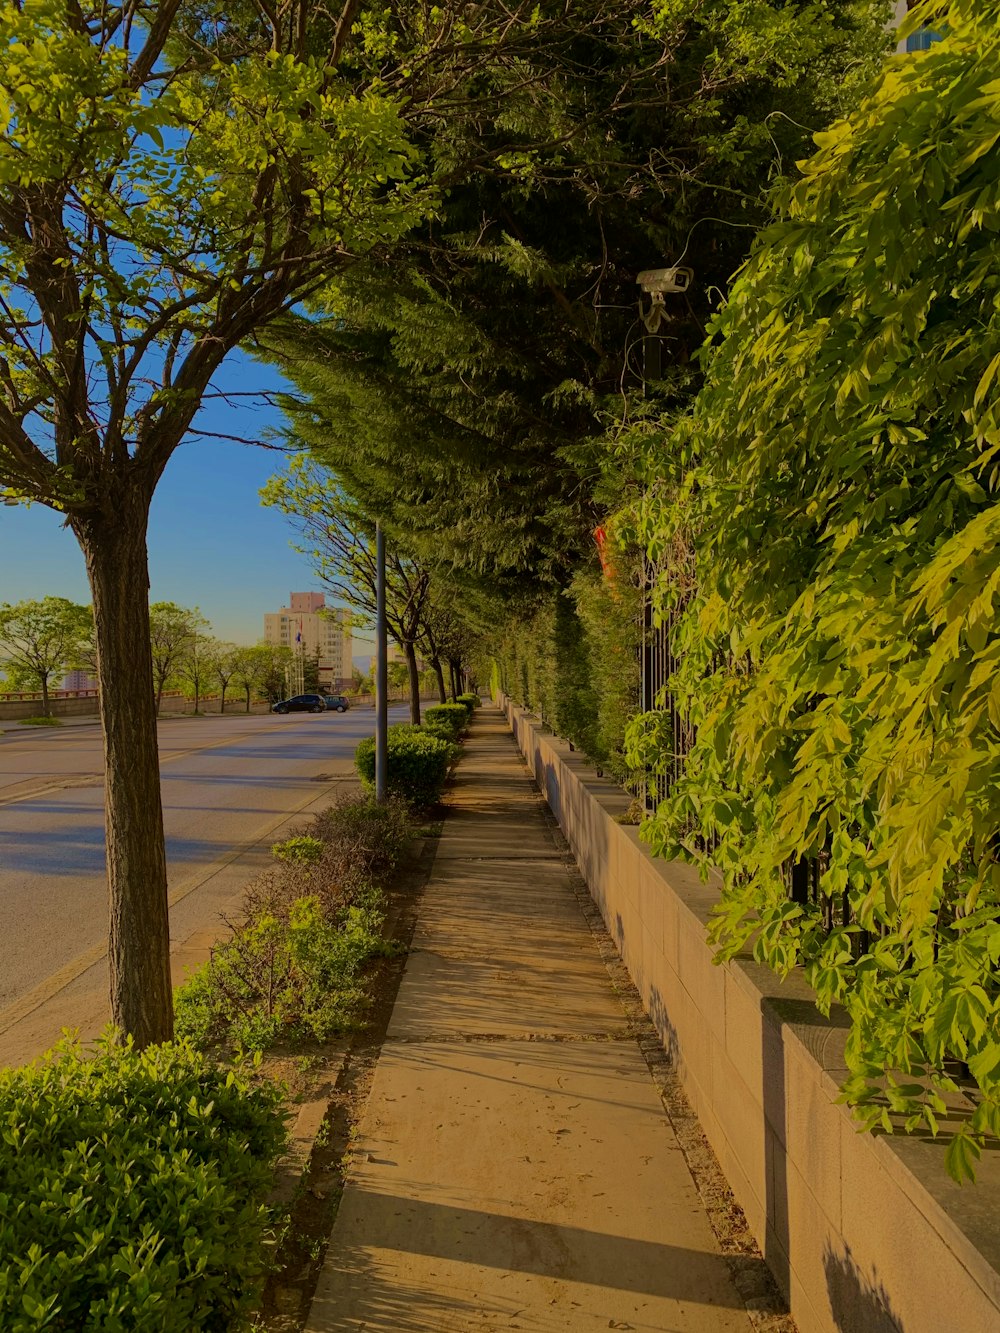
381,671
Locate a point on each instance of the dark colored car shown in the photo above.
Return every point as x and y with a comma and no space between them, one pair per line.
337,702
302,703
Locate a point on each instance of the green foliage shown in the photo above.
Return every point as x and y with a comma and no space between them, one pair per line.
132,1187
283,976
575,661
462,390
40,640
471,702
364,841
418,764
449,720
609,611
294,963
302,850
40,721
838,483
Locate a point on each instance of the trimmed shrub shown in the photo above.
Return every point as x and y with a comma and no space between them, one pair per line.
447,718
471,702
418,764
132,1187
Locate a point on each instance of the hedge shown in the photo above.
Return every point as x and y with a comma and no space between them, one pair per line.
132,1187
449,720
418,764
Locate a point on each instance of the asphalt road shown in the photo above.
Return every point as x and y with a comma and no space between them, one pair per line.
231,786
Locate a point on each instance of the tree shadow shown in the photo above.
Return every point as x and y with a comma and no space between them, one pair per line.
857,1304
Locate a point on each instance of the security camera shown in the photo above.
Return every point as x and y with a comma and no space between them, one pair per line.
658,281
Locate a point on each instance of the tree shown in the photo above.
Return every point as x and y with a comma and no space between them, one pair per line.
261,669
341,541
171,178
171,630
837,483
272,664
246,671
462,388
310,675
448,634
224,661
196,664
42,639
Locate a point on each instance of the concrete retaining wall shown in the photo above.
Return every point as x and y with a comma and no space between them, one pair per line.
12,710
866,1234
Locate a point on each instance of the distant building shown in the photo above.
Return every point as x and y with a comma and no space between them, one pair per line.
308,625
79,680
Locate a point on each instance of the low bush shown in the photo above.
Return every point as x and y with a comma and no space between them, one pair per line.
41,722
447,719
351,846
283,977
302,850
292,967
132,1187
471,702
363,841
418,764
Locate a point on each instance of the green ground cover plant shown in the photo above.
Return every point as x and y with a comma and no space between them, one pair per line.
418,764
40,721
294,965
839,484
132,1189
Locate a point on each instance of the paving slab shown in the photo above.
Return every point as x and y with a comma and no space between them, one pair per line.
515,1167
521,1185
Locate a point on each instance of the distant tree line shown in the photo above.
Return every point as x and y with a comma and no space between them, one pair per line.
42,640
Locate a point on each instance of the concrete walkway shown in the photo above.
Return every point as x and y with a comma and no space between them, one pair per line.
516,1166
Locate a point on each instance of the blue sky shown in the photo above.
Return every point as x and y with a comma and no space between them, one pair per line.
211,544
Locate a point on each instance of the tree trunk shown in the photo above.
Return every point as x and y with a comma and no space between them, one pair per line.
414,676
223,707
439,672
139,943
248,698
454,678
44,677
159,695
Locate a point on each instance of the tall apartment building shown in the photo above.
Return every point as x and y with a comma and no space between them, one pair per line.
309,625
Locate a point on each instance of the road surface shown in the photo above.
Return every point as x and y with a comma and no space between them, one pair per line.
231,786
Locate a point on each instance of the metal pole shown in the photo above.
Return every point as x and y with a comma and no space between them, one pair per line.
381,671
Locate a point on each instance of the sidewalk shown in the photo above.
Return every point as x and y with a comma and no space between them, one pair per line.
516,1168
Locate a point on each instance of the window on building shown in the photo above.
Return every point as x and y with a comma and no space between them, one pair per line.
922,40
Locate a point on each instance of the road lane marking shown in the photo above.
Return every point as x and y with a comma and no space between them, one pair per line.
93,780
58,981
57,784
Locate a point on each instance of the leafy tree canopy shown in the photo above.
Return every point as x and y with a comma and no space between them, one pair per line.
462,383
40,640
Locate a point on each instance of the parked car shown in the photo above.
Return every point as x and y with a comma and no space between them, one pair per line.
338,703
301,703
